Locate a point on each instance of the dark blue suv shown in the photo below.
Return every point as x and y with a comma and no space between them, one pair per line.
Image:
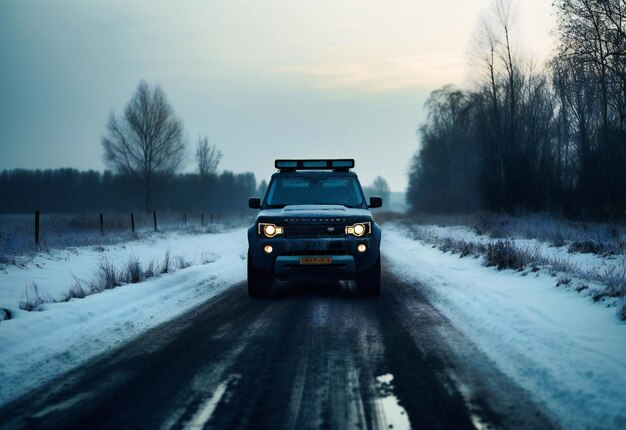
314,225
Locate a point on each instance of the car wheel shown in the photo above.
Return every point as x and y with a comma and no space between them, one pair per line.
259,282
368,282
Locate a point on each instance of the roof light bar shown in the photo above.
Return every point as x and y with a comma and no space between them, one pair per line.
286,165
314,164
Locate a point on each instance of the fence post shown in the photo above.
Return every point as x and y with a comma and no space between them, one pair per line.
132,222
202,220
211,218
101,224
154,219
185,219
37,213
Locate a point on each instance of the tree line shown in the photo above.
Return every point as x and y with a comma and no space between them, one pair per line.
73,191
532,138
145,149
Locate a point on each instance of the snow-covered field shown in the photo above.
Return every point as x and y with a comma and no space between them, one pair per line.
566,350
36,346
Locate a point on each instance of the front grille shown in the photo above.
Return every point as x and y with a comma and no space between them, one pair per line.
313,231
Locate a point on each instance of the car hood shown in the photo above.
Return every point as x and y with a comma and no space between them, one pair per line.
317,211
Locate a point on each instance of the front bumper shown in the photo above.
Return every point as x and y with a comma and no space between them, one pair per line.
284,260
342,267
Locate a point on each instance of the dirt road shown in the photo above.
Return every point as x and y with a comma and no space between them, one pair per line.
311,357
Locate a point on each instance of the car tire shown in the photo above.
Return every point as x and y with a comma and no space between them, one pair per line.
368,282
259,282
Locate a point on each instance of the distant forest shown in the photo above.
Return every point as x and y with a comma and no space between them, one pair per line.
549,138
73,191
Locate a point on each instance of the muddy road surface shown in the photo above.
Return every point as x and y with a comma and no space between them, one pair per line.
312,357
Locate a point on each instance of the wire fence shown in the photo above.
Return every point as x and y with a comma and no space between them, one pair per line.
25,234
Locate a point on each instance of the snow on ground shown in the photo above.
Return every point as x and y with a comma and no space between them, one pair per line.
37,346
568,352
584,261
53,272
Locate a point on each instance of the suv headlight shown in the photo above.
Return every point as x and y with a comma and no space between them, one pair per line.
269,230
359,229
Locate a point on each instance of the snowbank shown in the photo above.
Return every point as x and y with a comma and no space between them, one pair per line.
569,353
37,346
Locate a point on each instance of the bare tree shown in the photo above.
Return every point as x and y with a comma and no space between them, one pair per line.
262,188
208,157
527,137
146,141
380,188
593,49
500,84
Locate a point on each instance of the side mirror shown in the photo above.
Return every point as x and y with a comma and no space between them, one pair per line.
254,203
375,202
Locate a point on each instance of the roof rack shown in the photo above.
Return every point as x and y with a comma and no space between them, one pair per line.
342,165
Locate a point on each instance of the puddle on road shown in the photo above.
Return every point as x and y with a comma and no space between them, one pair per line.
394,415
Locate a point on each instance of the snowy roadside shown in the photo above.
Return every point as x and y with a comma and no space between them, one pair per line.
592,266
568,352
37,346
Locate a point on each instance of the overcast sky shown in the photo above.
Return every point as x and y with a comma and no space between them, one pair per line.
261,79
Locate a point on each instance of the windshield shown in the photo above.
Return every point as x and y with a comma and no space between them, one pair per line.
323,190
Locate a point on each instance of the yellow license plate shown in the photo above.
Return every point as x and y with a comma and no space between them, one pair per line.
316,260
